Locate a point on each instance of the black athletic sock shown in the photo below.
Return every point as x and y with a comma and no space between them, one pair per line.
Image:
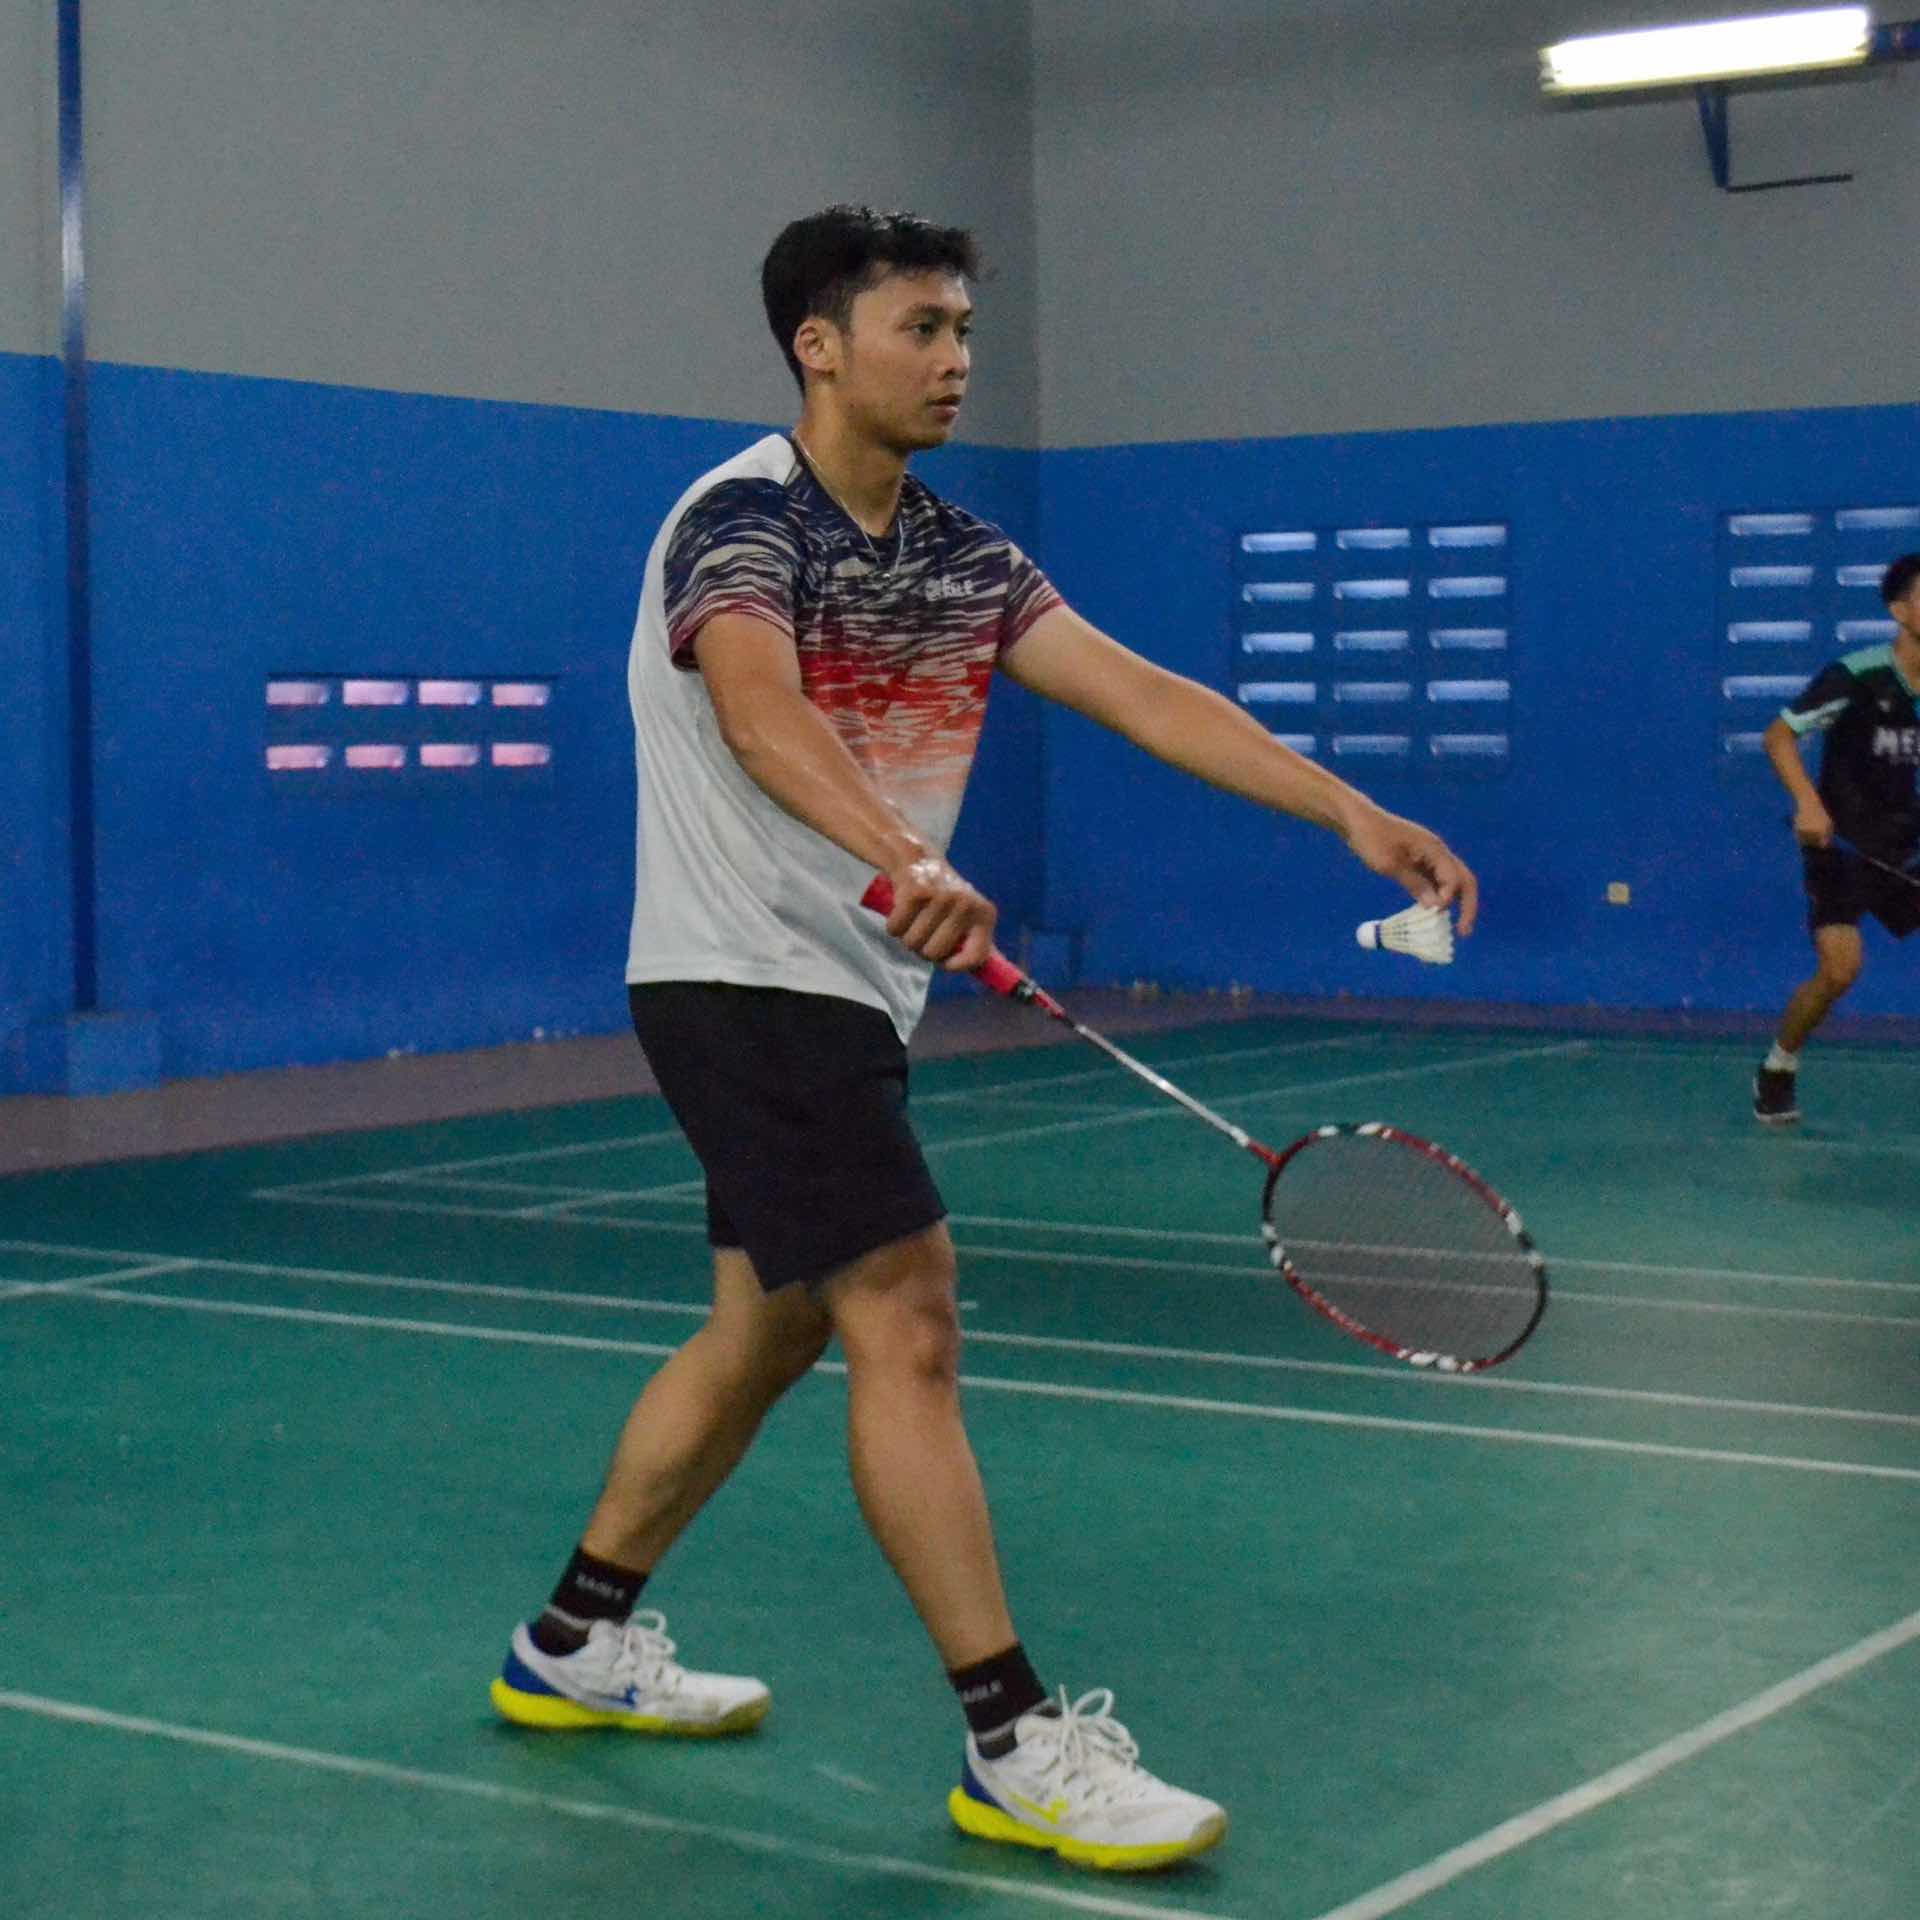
589,1590
994,1693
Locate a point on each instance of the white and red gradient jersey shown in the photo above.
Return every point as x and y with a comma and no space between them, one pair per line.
897,639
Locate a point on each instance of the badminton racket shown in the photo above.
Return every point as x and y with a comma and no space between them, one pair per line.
1390,1237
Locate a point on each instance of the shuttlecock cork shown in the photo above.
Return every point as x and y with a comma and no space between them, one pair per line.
1424,932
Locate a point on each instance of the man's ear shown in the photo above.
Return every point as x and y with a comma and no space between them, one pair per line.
817,345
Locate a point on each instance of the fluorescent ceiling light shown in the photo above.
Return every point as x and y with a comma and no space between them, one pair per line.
1718,50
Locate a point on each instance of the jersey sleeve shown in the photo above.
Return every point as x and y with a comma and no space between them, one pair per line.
736,550
1030,594
1822,700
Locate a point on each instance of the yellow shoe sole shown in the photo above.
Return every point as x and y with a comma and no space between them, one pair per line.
989,1823
553,1713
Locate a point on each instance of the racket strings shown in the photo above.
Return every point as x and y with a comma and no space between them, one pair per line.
1398,1241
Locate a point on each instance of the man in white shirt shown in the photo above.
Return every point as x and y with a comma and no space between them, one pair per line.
816,637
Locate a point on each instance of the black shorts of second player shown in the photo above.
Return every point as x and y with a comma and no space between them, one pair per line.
796,1104
1841,888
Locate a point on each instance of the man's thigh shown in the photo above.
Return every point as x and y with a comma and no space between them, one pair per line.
796,1105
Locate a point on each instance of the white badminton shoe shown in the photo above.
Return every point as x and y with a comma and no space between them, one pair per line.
624,1676
1073,1785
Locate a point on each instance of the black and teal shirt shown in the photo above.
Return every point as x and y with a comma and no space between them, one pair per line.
1870,715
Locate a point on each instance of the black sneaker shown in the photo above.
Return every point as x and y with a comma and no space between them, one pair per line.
1774,1104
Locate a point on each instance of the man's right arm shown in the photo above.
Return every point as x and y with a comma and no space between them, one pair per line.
1819,703
1812,824
789,749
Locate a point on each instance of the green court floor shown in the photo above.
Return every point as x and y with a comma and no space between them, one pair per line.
291,1436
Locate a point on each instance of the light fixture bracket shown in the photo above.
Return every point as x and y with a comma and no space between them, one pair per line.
1898,40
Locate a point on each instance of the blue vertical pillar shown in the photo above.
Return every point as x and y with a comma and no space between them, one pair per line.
96,1051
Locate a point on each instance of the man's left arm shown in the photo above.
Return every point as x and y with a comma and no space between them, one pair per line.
1066,658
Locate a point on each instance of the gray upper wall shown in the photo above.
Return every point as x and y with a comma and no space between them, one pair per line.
1212,218
29,180
1267,217
560,201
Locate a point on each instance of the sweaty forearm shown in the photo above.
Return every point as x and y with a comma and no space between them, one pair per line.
789,749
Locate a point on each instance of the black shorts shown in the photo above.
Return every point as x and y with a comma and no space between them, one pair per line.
796,1104
1841,887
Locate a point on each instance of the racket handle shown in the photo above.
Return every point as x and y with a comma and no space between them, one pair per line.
996,972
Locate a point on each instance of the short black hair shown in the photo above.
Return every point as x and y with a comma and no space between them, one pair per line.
1897,582
822,264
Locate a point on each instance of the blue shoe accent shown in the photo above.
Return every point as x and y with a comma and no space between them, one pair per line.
522,1678
971,1787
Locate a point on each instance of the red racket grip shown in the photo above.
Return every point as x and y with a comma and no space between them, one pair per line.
996,972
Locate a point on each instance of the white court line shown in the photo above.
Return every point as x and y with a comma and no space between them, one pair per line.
460,1183
1655,1303
1426,1376
561,1210
1253,1268
1901,1146
452,1209
1745,1050
353,1277
1115,1349
518,1156
318,1191
1050,1390
1378,1422
1095,1230
1080,1105
606,1813
954,1096
146,1270
1247,1097
1525,1828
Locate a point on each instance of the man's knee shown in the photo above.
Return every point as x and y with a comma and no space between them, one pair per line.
895,1309
1839,964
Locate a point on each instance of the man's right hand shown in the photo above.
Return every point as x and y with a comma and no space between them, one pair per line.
939,915
1813,824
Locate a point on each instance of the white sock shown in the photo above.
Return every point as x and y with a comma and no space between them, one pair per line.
1781,1061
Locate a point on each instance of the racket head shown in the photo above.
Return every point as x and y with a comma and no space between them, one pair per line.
1403,1246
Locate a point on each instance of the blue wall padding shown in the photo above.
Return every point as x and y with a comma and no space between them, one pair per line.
247,528
35,963
1617,772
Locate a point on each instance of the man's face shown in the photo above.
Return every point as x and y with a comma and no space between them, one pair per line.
1907,611
902,363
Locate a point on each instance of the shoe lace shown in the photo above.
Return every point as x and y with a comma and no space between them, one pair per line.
1096,1757
645,1654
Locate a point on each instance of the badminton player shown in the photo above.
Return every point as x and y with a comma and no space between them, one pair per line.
816,637
1865,705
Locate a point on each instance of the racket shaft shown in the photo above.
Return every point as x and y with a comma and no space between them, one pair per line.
1161,1084
999,975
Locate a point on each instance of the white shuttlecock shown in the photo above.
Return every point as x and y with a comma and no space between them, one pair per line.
1424,932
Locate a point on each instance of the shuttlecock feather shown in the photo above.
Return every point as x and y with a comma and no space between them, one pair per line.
1424,932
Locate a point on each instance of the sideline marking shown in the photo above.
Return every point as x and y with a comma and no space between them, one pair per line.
954,1096
1119,1349
743,1839
145,1269
1597,1792
1044,1389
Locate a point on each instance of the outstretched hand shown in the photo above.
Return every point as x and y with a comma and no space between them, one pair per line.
1419,860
